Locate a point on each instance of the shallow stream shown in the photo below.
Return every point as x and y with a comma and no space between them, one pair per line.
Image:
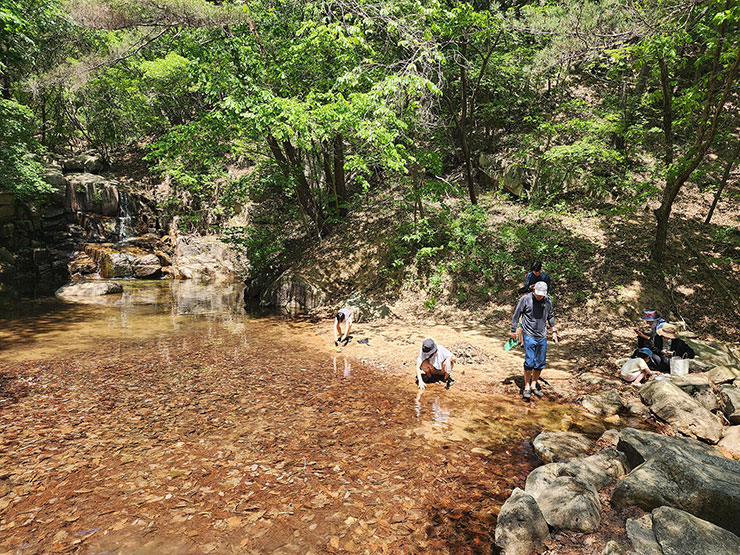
168,419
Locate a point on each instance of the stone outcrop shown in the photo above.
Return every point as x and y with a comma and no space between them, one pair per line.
641,534
88,289
87,162
365,309
561,446
604,403
716,354
521,528
686,478
91,193
672,405
204,258
680,533
293,292
639,445
730,396
730,442
723,374
569,504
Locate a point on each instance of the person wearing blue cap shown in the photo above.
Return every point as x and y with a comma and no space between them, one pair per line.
636,369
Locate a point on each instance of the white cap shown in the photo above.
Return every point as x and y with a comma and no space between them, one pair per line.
540,288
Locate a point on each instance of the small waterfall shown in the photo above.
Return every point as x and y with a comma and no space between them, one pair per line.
125,217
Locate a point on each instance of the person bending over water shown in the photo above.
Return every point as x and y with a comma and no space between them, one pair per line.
536,313
636,369
344,315
434,365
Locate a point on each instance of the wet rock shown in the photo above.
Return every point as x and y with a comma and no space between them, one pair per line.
674,406
599,470
92,193
88,289
680,533
568,504
641,534
366,309
730,442
521,528
561,446
115,261
689,479
604,403
541,477
640,445
293,291
723,374
730,396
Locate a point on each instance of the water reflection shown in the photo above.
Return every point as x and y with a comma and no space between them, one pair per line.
32,329
347,367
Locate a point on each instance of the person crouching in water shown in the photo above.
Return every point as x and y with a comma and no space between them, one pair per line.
536,313
636,369
344,315
434,365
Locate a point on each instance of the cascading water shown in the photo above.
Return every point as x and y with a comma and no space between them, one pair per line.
125,217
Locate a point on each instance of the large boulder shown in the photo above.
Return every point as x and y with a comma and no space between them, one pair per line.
205,258
87,192
87,162
293,292
71,291
521,528
561,446
671,404
604,403
699,387
717,354
730,396
730,442
641,534
680,533
723,374
639,445
122,261
707,486
600,470
541,477
569,504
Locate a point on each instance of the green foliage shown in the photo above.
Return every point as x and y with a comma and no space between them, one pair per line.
20,170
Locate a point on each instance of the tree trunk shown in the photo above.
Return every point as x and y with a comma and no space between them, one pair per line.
725,178
339,176
667,111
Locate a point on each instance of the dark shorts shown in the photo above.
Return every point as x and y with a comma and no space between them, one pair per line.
434,378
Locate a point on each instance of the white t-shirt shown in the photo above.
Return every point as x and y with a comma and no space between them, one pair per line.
633,368
437,359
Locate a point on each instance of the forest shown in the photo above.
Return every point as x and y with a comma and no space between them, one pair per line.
317,106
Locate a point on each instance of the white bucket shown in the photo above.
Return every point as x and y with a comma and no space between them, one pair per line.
679,366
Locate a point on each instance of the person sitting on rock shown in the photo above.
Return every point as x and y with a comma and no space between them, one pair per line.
670,344
648,339
434,364
636,369
344,315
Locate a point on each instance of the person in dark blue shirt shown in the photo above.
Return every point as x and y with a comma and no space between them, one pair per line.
535,274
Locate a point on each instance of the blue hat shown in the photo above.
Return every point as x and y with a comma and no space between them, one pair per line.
646,351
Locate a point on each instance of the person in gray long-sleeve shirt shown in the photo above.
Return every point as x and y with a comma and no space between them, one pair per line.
536,313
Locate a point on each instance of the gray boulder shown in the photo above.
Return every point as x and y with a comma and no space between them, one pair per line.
613,548
730,442
520,528
294,292
604,403
723,374
569,504
88,162
88,289
91,193
699,387
730,396
641,534
700,365
680,533
541,477
561,446
594,379
714,353
640,445
599,470
707,486
674,406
